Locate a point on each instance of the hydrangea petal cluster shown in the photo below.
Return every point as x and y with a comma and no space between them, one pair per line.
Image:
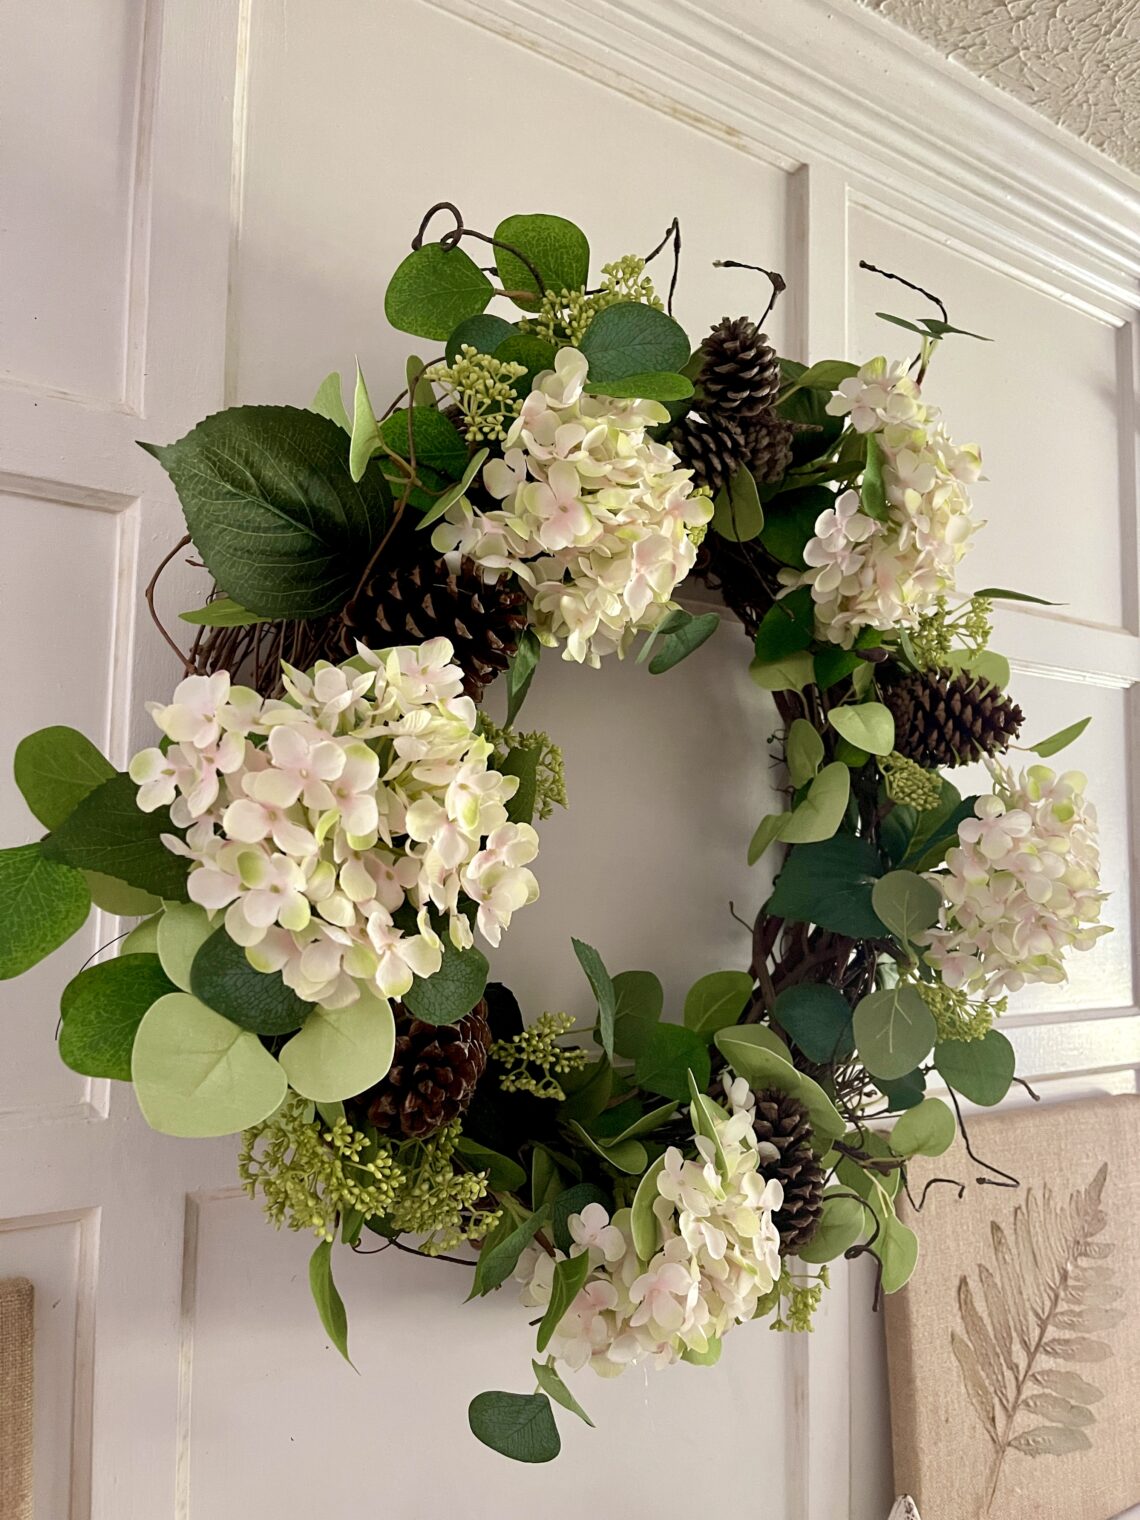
337,827
597,519
1022,887
719,1254
866,573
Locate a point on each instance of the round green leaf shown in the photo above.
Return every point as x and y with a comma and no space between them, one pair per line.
42,904
504,1175
222,978
273,510
821,812
557,248
897,1249
454,989
434,289
339,1052
818,1018
840,1225
197,1074
906,903
762,1065
740,1044
55,768
116,897
787,627
868,726
829,884
182,931
102,1009
738,515
894,1031
681,634
717,1000
143,938
519,1425
526,348
109,832
768,830
632,339
792,673
804,751
668,1055
981,1070
484,333
638,1004
926,1130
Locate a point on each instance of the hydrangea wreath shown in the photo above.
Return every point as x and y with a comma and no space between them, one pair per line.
327,828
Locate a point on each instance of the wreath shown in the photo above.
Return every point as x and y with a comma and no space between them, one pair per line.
328,829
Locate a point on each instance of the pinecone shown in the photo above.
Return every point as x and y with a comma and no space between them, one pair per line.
417,598
714,449
741,373
433,1075
782,1121
946,719
770,447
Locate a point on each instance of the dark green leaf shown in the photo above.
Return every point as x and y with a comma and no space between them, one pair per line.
827,374
55,768
103,1007
787,627
682,638
897,830
907,904
437,440
939,329
223,979
937,831
453,990
518,1425
840,1225
738,515
873,495
330,1305
981,1070
503,1174
833,664
628,1156
999,594
639,1001
551,1383
273,510
903,1092
667,1057
789,521
599,979
522,761
433,290
663,385
525,348
556,247
451,495
569,1277
587,1091
573,1201
484,333
632,339
818,1018
829,884
500,1254
894,1030
520,673
887,316
223,612
108,832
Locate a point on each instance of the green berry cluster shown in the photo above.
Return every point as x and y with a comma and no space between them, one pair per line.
436,1201
564,315
550,776
957,1016
795,1301
537,1047
482,388
938,633
909,784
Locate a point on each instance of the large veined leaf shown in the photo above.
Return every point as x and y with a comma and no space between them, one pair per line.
197,1074
453,990
981,1070
868,726
559,251
519,1425
840,1225
829,884
102,1009
434,289
273,509
1009,1337
632,339
338,1052
668,1055
55,768
436,439
223,978
108,832
716,1000
42,904
906,903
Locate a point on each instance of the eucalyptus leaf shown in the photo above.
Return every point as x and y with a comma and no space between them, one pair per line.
434,289
603,989
829,884
569,1278
907,904
549,1381
644,1225
869,726
894,1030
102,1009
686,633
339,1052
737,513
223,612
763,1066
787,627
143,938
841,1223
517,1425
273,509
818,1018
822,810
627,1156
520,673
872,492
558,249
453,990
740,1043
717,1000
804,751
638,1004
790,674
981,1070
55,768
1060,740
483,333
928,1129
182,931
223,977
630,338
669,1053
197,1074
42,904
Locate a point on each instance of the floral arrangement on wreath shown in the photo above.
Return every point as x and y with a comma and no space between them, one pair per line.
327,829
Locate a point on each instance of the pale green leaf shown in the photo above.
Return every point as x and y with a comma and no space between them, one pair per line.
117,898
182,931
1060,740
339,1052
804,751
768,830
869,726
55,768
821,812
737,514
894,1030
365,431
790,674
644,1225
550,1383
907,904
223,612
329,401
330,1305
926,1130
716,1000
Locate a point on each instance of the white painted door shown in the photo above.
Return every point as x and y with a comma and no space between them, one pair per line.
201,202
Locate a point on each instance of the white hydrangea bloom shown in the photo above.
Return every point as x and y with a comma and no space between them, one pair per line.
1022,887
719,1254
596,520
313,822
870,574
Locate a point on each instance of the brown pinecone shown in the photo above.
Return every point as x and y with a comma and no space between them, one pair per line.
740,374
943,718
714,449
782,1121
433,1075
770,447
417,598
